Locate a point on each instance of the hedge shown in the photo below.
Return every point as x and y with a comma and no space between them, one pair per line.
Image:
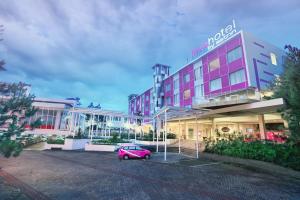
287,154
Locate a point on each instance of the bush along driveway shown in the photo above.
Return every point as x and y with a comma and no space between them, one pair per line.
287,154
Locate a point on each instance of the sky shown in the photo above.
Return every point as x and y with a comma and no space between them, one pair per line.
102,51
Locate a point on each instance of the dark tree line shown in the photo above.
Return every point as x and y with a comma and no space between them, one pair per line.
287,86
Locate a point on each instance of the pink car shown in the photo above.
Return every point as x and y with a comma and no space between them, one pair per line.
133,151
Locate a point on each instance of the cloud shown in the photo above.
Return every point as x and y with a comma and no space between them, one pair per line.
103,50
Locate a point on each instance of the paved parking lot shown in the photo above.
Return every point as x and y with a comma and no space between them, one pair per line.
87,175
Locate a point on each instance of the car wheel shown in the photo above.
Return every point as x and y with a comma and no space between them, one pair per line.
147,157
126,157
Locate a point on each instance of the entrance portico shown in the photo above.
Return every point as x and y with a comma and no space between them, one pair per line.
246,118
195,125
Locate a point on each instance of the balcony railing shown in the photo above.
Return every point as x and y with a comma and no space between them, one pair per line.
237,96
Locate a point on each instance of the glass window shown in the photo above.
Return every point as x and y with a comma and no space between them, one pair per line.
234,54
198,70
215,84
273,59
168,87
237,77
176,99
186,78
138,148
176,84
197,74
214,64
198,64
201,71
168,101
186,94
199,90
131,148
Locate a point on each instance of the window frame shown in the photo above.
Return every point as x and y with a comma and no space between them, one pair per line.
234,50
210,84
176,84
184,94
273,59
235,72
209,64
184,78
168,87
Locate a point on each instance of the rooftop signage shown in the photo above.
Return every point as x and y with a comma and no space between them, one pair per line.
216,39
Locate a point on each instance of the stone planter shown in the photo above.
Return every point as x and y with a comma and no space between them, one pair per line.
54,146
70,144
75,144
99,147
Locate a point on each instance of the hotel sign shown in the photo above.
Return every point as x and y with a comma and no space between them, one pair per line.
216,39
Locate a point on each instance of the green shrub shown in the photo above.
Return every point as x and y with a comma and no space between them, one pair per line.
287,155
111,141
171,136
58,140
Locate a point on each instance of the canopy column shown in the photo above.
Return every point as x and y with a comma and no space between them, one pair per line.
262,128
197,138
179,136
135,130
165,156
97,125
156,134
92,129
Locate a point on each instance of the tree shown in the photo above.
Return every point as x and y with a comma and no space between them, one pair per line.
287,86
15,110
2,63
91,105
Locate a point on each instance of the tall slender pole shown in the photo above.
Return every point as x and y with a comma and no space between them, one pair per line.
165,135
92,129
179,135
135,131
156,135
128,132
153,135
197,139
97,125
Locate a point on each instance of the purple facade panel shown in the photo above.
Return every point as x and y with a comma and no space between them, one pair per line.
225,68
132,106
236,65
225,82
189,85
214,74
147,103
138,104
169,93
238,86
205,67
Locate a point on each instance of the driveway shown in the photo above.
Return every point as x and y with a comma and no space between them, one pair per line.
91,175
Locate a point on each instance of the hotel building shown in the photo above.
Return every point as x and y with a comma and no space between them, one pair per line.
63,117
226,79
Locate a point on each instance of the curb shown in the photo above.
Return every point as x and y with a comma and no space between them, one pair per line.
254,165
